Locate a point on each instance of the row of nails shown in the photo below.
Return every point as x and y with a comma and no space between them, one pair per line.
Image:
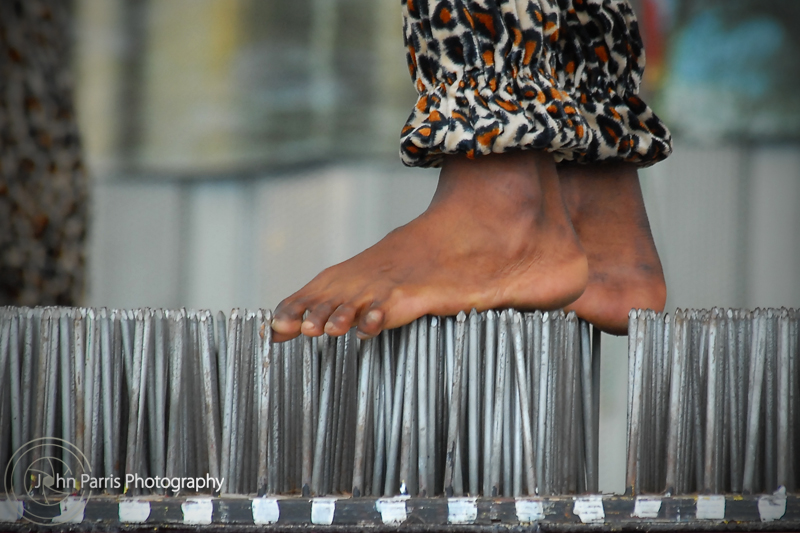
500,403
722,387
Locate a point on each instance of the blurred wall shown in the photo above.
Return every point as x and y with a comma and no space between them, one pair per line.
725,219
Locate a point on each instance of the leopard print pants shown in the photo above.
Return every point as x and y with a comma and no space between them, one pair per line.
501,75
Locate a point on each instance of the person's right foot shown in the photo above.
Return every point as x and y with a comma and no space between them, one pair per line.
607,210
497,234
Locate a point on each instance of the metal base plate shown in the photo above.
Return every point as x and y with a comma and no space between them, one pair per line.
778,512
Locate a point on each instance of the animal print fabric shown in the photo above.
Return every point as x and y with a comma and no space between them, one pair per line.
501,75
44,190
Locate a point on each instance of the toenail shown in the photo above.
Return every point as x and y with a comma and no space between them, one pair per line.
307,325
329,328
364,336
373,317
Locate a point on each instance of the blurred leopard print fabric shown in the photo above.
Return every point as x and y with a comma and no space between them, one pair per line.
500,75
43,185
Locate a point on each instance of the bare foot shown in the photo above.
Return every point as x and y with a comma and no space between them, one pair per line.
607,210
496,234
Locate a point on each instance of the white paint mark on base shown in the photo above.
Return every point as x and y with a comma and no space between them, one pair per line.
322,511
10,510
772,507
646,507
529,510
590,509
393,510
134,511
265,510
71,511
197,510
710,507
461,510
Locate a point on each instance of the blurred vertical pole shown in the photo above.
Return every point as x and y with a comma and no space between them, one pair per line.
43,184
322,72
652,27
394,91
187,86
133,20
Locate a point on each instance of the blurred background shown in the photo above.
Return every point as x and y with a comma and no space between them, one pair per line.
238,147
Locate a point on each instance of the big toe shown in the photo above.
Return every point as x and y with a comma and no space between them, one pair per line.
287,320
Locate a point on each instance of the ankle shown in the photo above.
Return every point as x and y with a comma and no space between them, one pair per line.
610,192
520,185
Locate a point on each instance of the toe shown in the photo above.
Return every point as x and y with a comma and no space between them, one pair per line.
341,320
287,319
371,323
314,323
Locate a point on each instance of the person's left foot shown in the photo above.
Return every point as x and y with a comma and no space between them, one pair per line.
607,210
